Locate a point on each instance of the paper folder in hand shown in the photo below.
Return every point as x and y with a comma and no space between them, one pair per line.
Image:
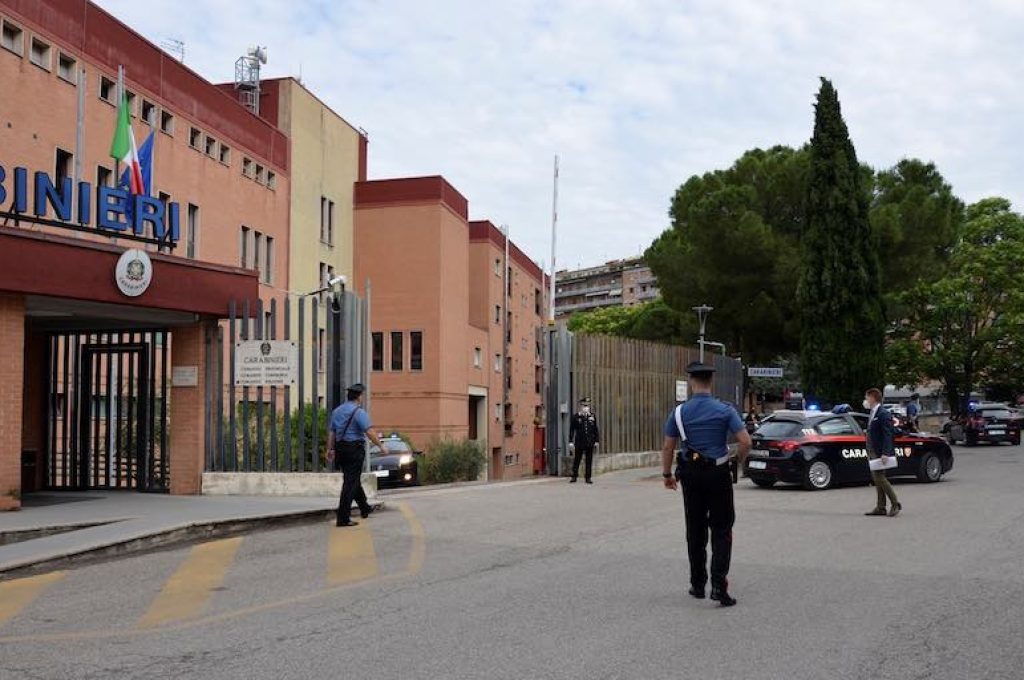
886,463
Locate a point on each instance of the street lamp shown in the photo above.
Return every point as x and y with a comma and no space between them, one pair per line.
336,287
702,317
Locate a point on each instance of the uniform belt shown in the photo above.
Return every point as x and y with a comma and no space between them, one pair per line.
697,457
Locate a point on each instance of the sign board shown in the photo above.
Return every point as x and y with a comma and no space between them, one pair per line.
266,363
764,372
184,376
682,390
133,273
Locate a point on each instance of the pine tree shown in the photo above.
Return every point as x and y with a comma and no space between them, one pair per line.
842,323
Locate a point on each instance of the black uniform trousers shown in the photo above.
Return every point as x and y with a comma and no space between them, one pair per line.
581,452
348,457
708,503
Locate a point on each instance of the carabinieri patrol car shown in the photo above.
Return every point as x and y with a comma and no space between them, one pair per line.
820,450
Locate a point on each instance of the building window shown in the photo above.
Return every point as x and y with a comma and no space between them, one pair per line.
130,96
416,351
225,154
104,176
247,167
497,314
271,180
268,326
326,221
63,166
378,351
211,146
13,38
320,363
397,352
497,363
243,248
497,267
257,260
194,137
107,89
40,54
193,231
148,113
164,198
167,122
66,68
538,302
477,357
268,254
260,174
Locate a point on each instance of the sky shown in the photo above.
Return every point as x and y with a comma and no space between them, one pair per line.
635,96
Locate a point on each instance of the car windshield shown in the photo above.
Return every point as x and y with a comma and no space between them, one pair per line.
779,429
392,447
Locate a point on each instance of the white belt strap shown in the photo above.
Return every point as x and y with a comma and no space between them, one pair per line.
679,423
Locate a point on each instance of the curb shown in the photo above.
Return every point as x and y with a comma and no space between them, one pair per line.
161,539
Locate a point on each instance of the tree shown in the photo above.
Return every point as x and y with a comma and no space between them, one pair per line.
842,322
967,328
654,321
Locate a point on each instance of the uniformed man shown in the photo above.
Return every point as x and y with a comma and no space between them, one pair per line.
702,426
585,436
346,447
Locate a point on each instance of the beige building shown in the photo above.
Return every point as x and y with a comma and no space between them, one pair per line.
619,283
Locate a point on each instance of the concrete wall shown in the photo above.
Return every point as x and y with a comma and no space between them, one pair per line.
326,484
12,339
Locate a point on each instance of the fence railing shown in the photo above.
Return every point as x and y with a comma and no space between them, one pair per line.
282,428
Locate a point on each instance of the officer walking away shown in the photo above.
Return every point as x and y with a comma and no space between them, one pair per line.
881,443
914,412
585,436
702,425
346,445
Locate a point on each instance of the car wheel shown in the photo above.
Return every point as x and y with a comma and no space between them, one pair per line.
764,483
818,476
930,469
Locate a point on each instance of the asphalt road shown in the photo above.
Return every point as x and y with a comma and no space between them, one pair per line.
551,580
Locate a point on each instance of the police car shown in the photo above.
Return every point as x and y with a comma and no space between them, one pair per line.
820,450
397,464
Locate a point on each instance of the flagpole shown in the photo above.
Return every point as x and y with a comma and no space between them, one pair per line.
554,235
120,100
79,132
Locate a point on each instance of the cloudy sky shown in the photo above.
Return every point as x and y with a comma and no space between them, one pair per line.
634,95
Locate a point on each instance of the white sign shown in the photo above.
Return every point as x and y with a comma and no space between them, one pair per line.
134,272
266,363
764,372
185,376
682,390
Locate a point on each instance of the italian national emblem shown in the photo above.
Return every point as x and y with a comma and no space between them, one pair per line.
134,272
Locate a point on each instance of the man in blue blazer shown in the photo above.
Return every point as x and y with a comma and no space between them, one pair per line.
881,443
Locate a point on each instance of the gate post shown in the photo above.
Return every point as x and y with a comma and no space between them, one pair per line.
12,376
188,414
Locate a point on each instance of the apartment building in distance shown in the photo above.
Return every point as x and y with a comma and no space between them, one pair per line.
456,317
619,283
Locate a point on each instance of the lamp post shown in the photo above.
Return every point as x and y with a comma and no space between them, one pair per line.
336,287
702,317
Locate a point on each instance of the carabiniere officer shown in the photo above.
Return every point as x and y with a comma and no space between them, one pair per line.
703,425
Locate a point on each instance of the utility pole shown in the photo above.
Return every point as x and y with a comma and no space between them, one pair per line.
702,317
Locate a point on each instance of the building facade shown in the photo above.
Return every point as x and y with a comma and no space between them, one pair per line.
455,322
619,283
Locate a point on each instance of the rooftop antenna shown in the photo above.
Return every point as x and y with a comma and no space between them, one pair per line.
175,48
247,77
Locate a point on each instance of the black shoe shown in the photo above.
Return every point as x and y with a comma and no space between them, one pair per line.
877,512
366,513
590,481
349,523
697,592
722,597
895,510
572,480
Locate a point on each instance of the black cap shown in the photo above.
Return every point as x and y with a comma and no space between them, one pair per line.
358,388
697,368
585,400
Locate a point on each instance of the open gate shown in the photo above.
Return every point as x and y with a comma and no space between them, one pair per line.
107,411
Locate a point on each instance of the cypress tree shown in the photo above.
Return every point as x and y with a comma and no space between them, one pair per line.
842,325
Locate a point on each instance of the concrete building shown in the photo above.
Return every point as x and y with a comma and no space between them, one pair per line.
455,322
619,283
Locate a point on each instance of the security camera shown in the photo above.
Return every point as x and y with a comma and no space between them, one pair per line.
337,280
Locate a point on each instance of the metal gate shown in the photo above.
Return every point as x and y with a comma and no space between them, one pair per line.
107,411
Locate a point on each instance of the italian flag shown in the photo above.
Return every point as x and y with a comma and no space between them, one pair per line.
123,148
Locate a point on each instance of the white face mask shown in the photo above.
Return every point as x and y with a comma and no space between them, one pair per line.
585,410
867,404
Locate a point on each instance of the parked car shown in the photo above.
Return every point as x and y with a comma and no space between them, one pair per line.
397,465
985,422
822,450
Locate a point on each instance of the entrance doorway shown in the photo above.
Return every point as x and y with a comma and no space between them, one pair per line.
107,411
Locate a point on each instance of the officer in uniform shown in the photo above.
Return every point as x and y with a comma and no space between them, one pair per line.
702,425
346,447
585,437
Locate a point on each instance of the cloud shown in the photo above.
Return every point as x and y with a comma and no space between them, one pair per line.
635,95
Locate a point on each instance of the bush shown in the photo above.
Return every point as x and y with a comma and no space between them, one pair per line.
452,461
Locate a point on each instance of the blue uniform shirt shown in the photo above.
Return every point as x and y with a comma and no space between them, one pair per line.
708,423
356,431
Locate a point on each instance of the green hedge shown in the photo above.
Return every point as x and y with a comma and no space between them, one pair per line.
452,461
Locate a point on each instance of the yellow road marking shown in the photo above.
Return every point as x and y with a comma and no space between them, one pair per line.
18,594
415,563
190,587
350,555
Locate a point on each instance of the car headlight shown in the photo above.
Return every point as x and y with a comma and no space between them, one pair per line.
405,460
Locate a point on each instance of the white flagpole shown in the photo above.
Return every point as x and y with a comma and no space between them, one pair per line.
554,240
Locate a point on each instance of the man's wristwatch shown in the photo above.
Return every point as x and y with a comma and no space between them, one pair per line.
666,475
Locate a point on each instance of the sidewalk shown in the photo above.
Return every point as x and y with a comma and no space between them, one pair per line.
56,527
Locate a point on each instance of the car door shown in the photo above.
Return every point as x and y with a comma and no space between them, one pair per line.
842,447
860,472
